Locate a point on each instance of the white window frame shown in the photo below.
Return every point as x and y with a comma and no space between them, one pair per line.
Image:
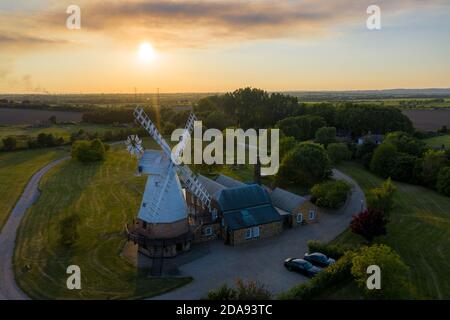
255,232
214,214
208,231
312,215
248,233
299,215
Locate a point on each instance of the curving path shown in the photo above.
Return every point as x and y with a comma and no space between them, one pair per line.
9,290
260,261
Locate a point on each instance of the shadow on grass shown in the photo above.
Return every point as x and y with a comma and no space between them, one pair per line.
41,227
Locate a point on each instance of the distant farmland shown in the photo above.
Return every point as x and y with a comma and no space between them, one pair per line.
26,116
429,120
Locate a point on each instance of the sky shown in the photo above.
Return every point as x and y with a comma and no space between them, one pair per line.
222,45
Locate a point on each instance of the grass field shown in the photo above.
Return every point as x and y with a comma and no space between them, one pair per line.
105,196
16,168
22,132
419,231
439,141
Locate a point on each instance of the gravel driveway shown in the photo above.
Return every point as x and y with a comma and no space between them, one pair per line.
263,260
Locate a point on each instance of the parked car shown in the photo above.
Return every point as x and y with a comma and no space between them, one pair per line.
319,259
301,266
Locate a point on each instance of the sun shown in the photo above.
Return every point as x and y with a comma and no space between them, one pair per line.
146,52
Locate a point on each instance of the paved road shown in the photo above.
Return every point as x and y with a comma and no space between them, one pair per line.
8,287
263,260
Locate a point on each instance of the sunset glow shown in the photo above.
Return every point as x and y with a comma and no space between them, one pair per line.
146,52
216,46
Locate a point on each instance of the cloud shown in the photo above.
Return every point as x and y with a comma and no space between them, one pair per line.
25,40
186,23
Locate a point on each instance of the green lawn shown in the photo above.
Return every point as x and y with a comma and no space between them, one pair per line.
419,231
439,141
16,169
21,132
105,196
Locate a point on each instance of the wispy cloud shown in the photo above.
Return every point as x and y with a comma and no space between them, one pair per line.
22,40
197,23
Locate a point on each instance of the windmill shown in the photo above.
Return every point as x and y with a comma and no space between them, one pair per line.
163,214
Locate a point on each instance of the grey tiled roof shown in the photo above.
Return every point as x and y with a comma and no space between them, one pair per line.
211,186
229,182
286,200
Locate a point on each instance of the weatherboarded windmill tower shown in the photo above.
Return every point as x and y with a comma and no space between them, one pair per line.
162,228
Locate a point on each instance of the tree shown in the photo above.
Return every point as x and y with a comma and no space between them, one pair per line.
88,151
402,167
169,127
369,224
217,120
382,159
9,143
394,272
301,128
330,194
443,181
250,107
382,199
368,147
433,161
326,135
443,130
338,152
45,140
52,119
306,164
405,143
360,119
286,145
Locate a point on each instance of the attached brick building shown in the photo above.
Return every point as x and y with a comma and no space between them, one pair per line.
248,214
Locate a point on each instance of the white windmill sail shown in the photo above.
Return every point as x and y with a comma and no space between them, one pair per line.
189,179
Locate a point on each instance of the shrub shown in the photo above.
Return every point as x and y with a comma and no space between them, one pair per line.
332,251
338,152
88,151
443,181
394,272
369,224
251,291
222,293
9,143
330,194
244,291
335,274
44,140
382,198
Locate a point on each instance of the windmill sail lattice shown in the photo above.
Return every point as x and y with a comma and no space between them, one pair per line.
168,179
